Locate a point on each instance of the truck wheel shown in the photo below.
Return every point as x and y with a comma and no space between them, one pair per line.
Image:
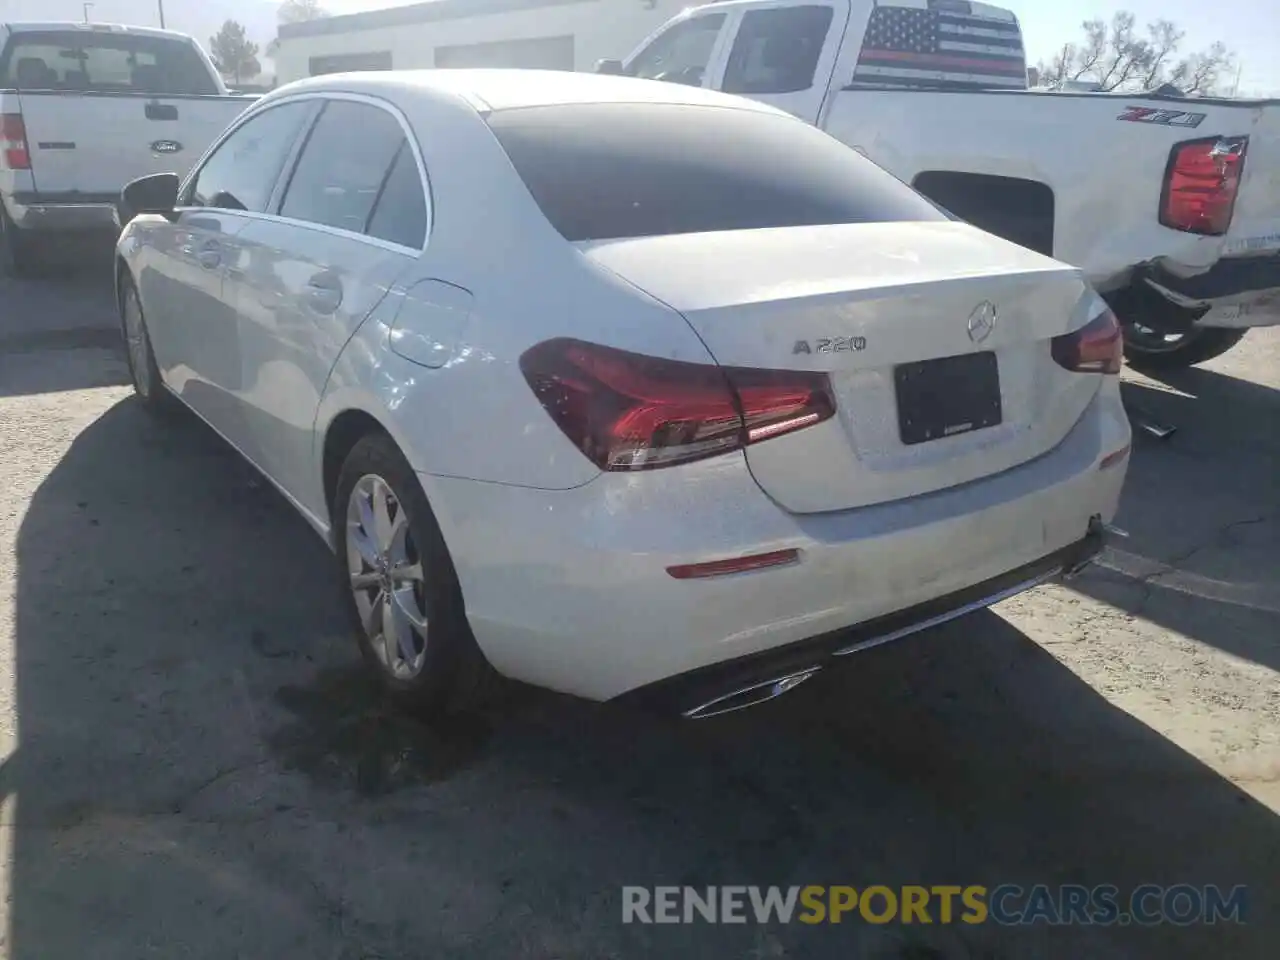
1148,349
17,253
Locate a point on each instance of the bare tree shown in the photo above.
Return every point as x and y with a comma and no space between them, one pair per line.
1202,73
295,11
1114,56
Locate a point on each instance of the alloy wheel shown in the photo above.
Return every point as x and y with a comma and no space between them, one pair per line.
135,334
387,578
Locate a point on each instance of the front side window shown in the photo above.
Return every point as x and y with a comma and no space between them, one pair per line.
104,62
777,51
681,54
241,173
604,171
341,171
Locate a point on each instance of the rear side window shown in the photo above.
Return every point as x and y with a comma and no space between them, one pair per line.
613,170
91,60
777,50
401,212
341,171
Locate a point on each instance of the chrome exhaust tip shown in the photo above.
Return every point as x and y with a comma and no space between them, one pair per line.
1100,530
750,696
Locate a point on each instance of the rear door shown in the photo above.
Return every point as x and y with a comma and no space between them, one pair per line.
352,217
102,107
784,53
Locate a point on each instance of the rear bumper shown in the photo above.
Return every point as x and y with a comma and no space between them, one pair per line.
568,589
61,213
746,681
1236,292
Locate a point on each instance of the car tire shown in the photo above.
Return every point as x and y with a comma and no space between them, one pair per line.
17,250
143,370
434,665
1149,350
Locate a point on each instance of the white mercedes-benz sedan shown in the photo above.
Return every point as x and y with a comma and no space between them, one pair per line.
620,387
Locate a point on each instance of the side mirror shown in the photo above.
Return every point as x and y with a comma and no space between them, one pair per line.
157,193
612,68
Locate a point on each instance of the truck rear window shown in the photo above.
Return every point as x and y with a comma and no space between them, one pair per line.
89,60
603,171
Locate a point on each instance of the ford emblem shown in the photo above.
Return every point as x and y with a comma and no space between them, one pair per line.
166,146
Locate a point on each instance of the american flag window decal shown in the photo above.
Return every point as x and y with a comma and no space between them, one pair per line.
941,44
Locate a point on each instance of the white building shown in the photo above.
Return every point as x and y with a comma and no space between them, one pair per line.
550,34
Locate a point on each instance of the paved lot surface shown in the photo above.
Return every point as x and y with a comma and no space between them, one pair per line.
192,766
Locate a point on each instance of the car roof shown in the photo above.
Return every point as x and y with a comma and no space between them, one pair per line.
490,90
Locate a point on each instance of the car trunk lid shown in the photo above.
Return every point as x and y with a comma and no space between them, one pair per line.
936,338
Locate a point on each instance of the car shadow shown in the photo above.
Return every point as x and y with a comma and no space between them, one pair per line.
202,770
1202,513
68,306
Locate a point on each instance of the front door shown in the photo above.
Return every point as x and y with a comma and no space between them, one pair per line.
196,262
351,220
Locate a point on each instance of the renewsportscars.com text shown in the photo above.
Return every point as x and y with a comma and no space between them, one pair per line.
1007,904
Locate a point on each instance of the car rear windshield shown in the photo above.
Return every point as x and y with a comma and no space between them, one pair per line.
91,60
614,170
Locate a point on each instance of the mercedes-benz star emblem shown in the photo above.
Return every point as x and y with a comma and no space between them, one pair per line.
982,321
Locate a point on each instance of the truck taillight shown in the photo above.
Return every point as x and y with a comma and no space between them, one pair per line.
1097,347
629,411
13,142
1201,183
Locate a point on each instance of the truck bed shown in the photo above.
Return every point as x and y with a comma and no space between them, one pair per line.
1102,157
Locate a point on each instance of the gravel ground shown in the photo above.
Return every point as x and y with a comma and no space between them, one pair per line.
193,766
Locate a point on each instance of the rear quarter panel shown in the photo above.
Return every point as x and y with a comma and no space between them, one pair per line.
468,412
1106,173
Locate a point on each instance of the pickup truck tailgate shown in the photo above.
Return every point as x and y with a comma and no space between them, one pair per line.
95,143
1255,225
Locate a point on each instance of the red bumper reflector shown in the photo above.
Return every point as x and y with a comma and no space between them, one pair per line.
720,568
1111,459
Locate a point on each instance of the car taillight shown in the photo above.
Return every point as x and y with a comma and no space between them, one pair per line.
1097,347
1201,183
629,411
13,142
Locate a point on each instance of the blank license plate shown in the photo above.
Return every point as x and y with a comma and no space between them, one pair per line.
942,398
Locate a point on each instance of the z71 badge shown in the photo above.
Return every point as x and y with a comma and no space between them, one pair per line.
831,345
1165,118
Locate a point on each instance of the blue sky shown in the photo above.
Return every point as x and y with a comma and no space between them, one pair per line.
1250,27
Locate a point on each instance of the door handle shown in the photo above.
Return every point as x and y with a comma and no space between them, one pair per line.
160,111
210,256
324,293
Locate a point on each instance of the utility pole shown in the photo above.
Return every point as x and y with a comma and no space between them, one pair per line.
160,5
85,7
1235,91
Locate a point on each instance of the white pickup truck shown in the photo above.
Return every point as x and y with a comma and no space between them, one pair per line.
1170,207
84,109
